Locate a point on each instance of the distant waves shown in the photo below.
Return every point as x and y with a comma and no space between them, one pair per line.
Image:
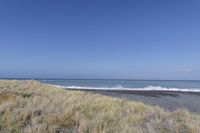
148,88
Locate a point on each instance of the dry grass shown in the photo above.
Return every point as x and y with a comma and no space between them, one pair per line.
33,107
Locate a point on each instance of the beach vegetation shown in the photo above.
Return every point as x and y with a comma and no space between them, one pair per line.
34,107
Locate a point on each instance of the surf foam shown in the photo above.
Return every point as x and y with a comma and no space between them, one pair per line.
148,88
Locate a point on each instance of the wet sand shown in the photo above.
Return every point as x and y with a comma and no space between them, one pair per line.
167,99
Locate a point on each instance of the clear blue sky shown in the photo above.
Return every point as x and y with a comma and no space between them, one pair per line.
132,39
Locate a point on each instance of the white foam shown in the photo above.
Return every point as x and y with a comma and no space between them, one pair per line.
148,88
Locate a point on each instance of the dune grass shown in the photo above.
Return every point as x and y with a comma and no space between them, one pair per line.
34,107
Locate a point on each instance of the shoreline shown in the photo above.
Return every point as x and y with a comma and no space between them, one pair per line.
148,93
169,100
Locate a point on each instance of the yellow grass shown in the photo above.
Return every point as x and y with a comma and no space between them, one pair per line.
34,107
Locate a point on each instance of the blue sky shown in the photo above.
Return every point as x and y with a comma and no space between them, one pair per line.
132,39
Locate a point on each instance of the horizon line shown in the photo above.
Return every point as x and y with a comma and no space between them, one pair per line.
23,78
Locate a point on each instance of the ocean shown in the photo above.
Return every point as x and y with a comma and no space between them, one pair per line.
111,84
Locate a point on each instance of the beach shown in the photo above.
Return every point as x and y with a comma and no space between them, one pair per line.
170,95
29,106
165,99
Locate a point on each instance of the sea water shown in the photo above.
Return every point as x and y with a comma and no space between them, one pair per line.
117,84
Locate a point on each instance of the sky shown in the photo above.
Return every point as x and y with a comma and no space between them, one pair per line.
118,39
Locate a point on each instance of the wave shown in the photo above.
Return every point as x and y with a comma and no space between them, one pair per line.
47,80
121,88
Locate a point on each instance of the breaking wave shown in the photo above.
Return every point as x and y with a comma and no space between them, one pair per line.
148,88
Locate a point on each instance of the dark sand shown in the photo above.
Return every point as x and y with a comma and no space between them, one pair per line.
166,99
